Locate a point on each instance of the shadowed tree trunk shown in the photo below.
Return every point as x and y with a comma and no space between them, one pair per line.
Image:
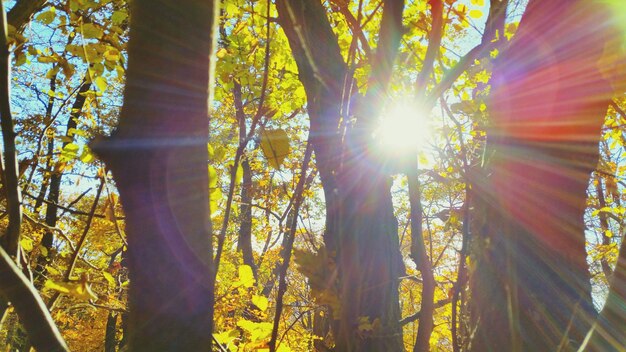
244,243
56,178
361,234
531,288
159,156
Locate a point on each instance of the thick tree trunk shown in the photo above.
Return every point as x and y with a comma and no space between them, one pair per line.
531,288
365,234
361,234
159,156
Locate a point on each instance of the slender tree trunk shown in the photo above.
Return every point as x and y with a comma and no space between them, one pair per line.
531,288
244,243
56,177
48,169
159,157
422,262
110,332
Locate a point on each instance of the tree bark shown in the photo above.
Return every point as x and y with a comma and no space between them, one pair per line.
110,332
531,288
422,262
361,230
244,243
158,155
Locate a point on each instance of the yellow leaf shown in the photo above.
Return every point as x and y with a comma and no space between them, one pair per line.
101,83
52,270
27,244
109,278
221,53
47,59
112,55
246,278
260,301
476,14
275,146
258,331
43,250
89,30
478,2
79,290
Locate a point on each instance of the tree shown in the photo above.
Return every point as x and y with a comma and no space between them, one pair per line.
158,155
548,103
361,229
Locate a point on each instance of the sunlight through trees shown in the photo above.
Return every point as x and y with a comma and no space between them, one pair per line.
338,175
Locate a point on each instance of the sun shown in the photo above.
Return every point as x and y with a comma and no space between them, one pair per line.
404,128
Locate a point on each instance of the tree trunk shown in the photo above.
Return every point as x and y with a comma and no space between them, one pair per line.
55,181
159,156
110,332
361,234
531,288
244,243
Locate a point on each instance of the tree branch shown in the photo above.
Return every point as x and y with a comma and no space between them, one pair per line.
417,315
497,15
81,242
434,43
22,11
9,165
33,313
